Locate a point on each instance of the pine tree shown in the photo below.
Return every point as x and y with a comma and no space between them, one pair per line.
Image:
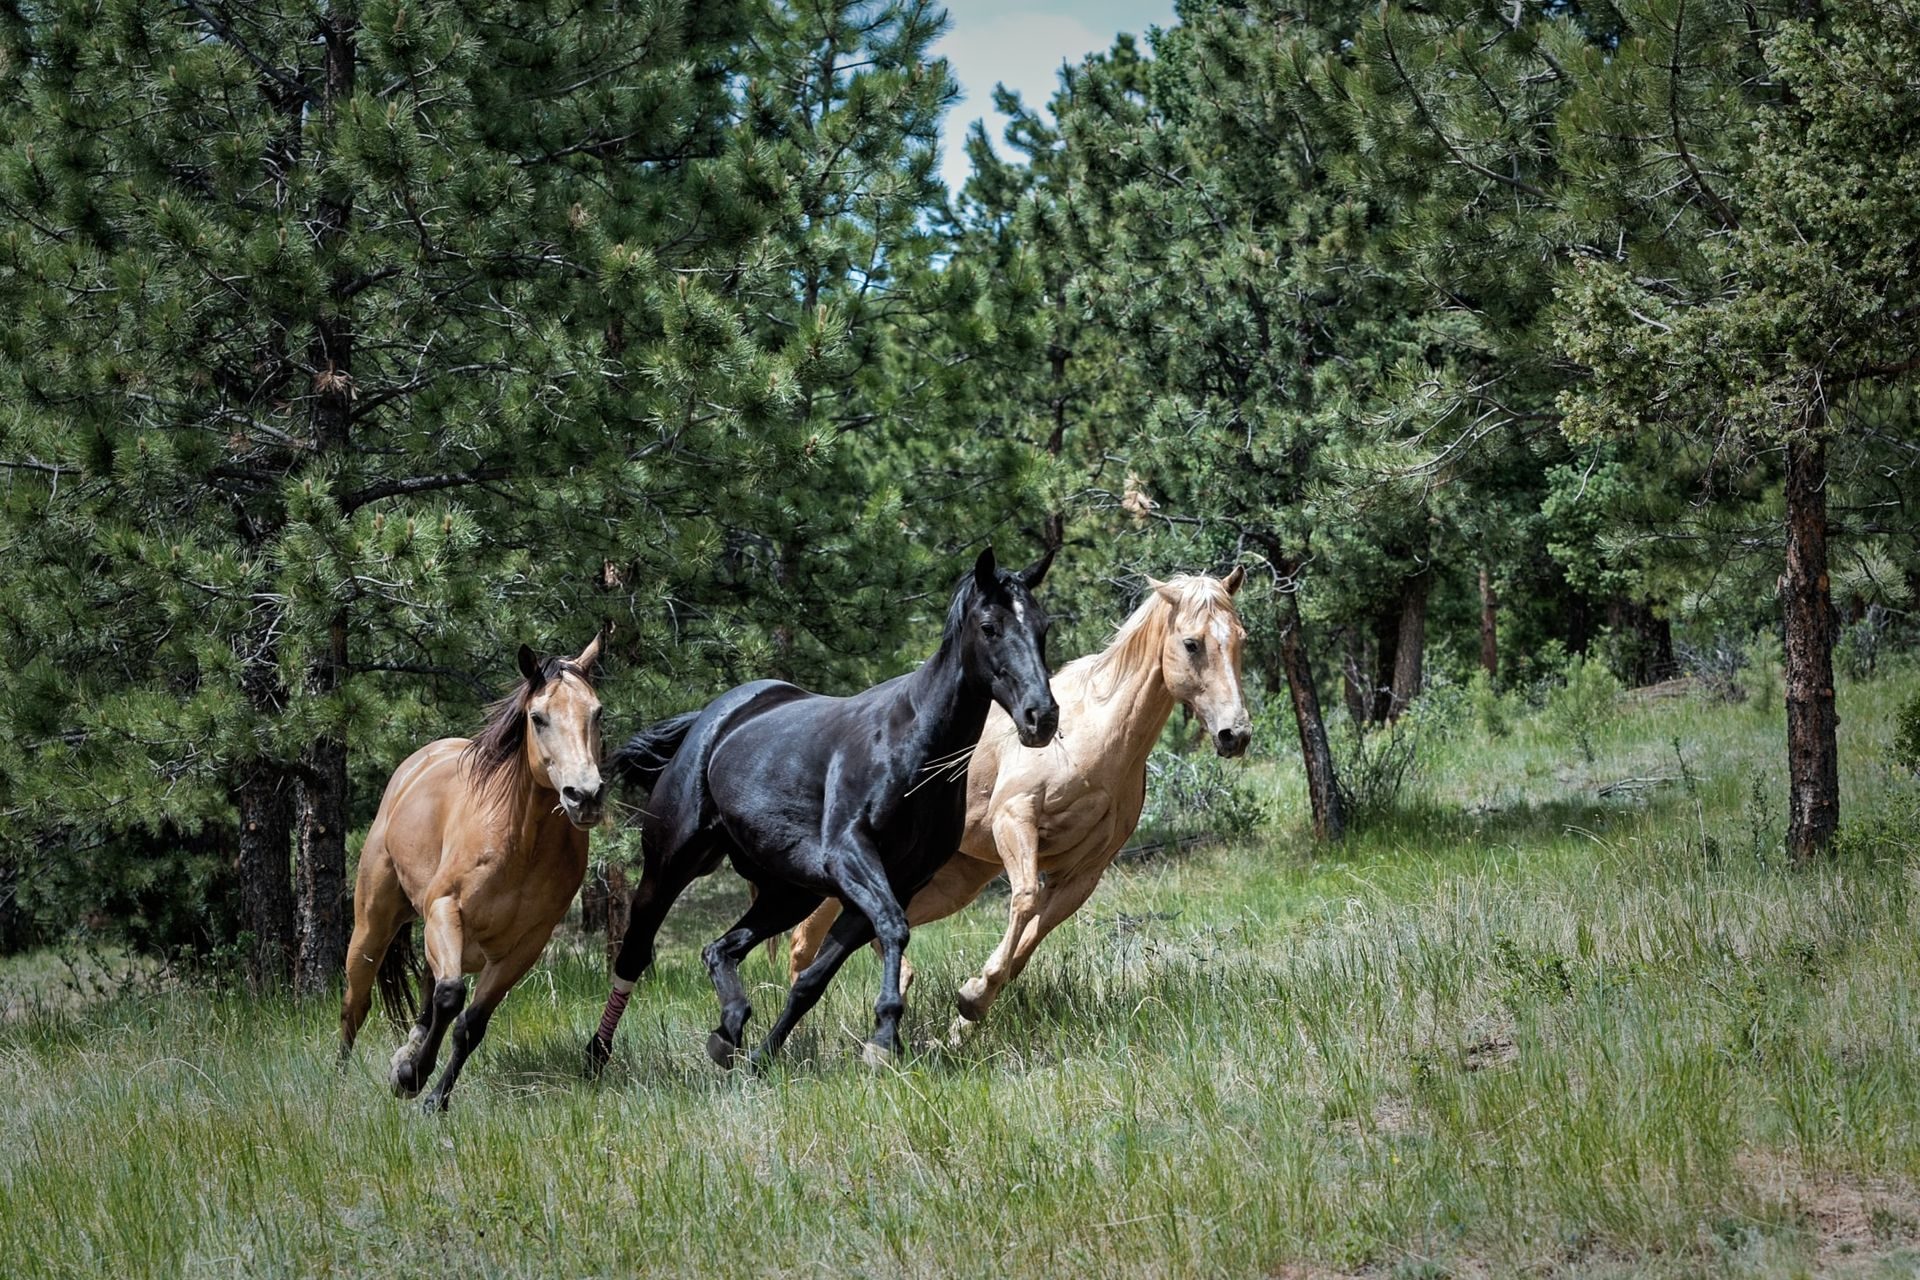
1802,332
286,293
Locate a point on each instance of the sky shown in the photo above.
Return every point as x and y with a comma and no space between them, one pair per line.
1021,44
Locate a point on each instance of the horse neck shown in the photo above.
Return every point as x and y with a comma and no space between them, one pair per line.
526,810
949,711
1130,712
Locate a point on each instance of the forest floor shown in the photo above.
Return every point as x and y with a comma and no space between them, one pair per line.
1530,1022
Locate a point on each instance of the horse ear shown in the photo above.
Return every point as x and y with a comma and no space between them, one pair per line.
1164,590
1031,576
985,572
1235,578
591,653
530,668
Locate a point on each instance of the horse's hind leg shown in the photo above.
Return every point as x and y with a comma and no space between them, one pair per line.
775,908
660,887
380,907
444,992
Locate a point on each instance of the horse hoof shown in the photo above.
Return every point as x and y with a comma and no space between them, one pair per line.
960,1030
598,1054
876,1056
970,1000
404,1078
723,1051
434,1104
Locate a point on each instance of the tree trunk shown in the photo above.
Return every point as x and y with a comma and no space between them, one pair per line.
1354,662
593,899
619,908
1813,772
322,864
1323,787
1386,639
1579,623
324,811
263,797
1489,626
1410,644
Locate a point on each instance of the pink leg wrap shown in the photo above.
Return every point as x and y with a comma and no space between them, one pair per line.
609,1020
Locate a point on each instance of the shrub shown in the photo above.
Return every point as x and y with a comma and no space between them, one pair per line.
1196,794
1906,735
1490,710
1582,705
1760,678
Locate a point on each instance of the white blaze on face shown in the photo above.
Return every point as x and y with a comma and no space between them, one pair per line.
1223,636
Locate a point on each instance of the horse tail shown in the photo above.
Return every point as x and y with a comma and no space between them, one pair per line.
647,753
399,979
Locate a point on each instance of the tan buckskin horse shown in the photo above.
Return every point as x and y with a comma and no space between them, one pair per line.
1055,818
486,839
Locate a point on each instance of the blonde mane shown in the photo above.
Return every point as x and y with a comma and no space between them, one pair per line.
1137,641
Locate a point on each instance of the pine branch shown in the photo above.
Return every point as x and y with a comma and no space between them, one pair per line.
420,484
1433,124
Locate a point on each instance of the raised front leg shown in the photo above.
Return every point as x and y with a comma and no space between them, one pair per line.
444,991
861,883
1017,837
957,883
489,989
1058,901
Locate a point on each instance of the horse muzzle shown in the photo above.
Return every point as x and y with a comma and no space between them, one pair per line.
1231,742
584,808
1036,725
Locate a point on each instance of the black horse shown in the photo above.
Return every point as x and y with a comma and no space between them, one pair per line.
813,796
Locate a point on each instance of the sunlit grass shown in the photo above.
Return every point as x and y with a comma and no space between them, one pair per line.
1520,1026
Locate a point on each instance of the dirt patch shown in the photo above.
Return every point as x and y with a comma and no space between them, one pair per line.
1490,1051
1853,1218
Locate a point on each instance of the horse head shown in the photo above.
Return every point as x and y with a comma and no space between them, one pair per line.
1002,632
1200,655
563,731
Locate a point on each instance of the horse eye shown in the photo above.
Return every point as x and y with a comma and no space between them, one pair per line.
1193,645
988,630
539,720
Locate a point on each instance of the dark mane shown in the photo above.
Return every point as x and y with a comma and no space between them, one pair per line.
495,757
965,592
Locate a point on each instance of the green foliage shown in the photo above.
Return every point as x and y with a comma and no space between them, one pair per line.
1582,706
1196,795
1760,676
1491,709
338,367
1906,735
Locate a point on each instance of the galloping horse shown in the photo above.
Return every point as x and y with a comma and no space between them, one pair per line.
1054,819
487,839
812,796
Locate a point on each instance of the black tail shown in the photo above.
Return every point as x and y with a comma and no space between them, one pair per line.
399,979
647,753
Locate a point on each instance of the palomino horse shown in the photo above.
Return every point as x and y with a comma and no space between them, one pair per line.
1055,819
487,840
813,796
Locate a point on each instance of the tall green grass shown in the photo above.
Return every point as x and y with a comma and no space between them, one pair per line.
1518,1026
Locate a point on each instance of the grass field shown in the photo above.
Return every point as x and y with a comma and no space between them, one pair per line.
1518,1027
